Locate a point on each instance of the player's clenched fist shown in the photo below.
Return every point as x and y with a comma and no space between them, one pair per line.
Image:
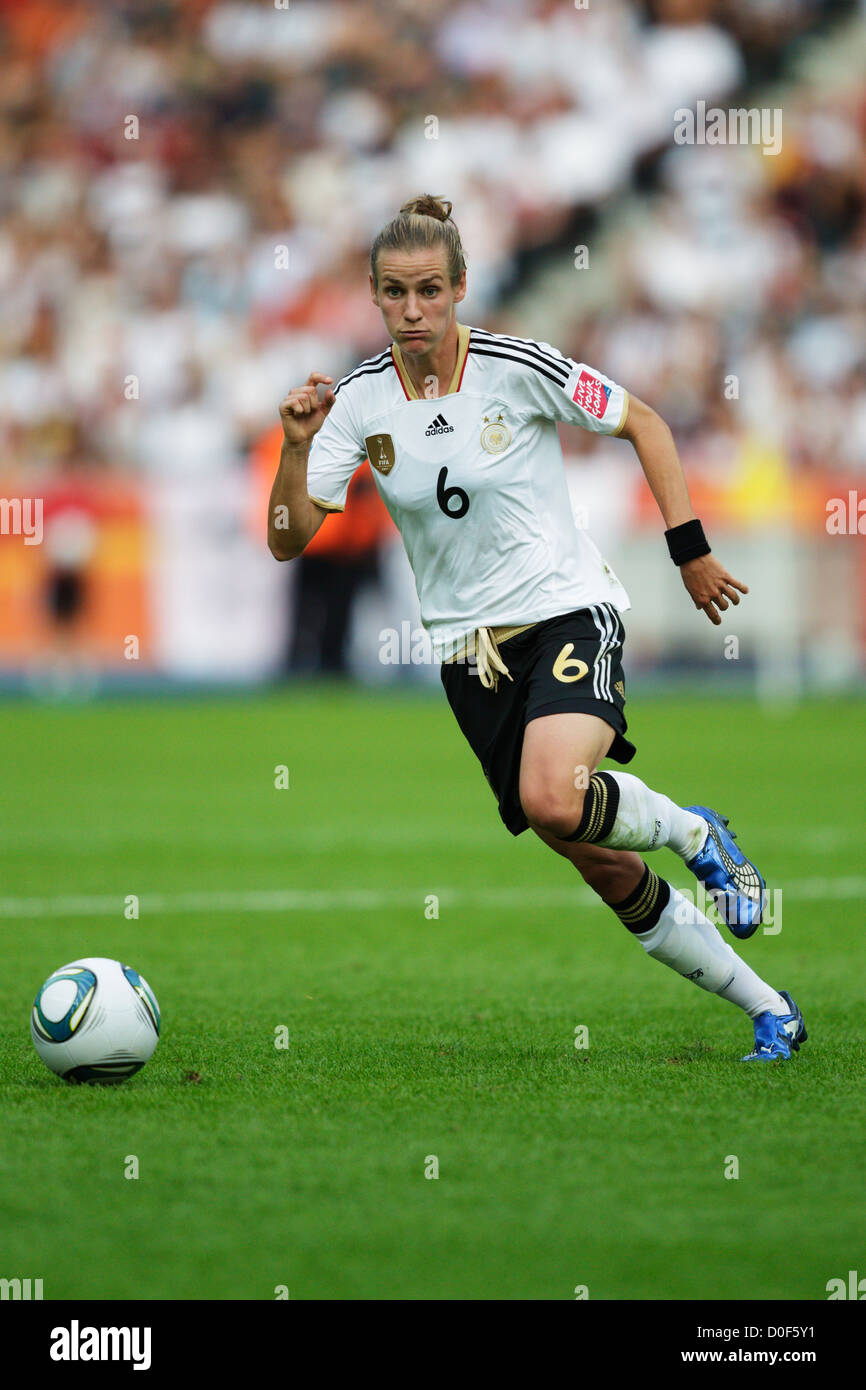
302,413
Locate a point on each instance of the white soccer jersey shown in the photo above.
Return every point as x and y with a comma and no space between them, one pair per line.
474,480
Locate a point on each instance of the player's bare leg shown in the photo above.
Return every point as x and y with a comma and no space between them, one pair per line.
561,792
611,873
668,926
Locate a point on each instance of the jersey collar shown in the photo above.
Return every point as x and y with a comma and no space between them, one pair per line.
463,332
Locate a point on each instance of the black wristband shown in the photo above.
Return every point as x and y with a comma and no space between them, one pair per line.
687,542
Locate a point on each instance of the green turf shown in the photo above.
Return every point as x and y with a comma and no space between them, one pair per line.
412,1036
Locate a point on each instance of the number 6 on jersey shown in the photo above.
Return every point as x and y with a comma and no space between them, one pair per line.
445,494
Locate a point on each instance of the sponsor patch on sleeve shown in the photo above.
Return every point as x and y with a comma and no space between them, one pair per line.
591,395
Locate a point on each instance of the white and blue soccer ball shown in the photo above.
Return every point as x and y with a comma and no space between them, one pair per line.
95,1020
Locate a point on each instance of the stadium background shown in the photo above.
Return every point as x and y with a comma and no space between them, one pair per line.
161,293
188,194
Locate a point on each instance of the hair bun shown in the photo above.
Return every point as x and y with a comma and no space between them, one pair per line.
428,205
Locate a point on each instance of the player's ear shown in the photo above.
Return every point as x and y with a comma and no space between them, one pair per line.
373,295
460,289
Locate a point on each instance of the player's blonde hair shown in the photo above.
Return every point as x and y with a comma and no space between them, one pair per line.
421,223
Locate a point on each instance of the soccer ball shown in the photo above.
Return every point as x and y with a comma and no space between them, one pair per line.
95,1020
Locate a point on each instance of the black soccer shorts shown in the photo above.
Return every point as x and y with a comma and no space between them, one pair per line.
567,664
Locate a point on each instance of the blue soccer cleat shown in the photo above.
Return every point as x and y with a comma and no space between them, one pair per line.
778,1035
736,887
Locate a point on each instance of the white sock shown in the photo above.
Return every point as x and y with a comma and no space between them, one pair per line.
648,820
687,941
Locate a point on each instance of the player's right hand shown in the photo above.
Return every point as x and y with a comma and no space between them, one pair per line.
302,413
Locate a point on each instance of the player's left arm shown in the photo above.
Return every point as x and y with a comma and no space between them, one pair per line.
707,581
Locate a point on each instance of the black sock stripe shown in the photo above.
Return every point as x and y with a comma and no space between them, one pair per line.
600,806
643,907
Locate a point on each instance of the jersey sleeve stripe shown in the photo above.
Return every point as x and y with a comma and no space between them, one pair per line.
554,358
365,369
558,380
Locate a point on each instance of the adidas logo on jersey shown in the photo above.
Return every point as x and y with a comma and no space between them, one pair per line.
439,426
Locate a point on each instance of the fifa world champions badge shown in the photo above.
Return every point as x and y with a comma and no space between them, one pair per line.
380,452
495,436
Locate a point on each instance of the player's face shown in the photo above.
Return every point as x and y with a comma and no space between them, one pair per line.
416,298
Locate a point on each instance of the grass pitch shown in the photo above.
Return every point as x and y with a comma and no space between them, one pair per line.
414,1037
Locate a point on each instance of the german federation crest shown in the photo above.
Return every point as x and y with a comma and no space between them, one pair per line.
380,452
495,436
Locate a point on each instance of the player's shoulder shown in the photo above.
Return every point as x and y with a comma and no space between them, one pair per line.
526,356
357,383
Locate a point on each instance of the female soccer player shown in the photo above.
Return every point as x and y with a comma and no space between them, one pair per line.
459,426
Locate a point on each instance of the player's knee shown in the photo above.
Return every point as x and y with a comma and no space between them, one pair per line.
556,812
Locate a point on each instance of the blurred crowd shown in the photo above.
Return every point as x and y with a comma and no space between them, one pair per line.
189,190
